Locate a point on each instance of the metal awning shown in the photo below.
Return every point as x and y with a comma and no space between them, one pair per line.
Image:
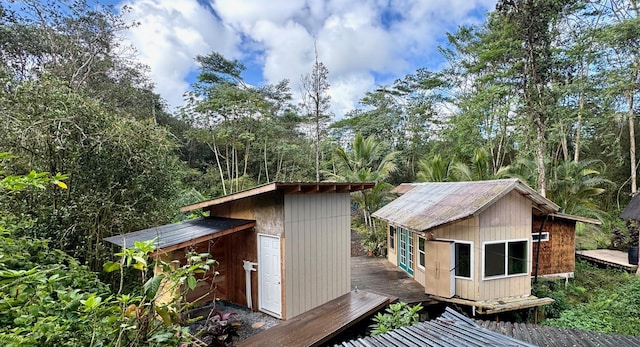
178,235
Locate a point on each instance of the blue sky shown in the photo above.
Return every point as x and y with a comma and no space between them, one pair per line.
363,43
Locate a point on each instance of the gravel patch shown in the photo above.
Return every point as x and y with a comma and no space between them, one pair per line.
251,323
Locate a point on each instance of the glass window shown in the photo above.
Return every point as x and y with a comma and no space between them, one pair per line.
421,252
494,259
463,260
544,236
505,258
410,251
517,257
392,237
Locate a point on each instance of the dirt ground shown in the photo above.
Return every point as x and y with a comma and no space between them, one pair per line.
356,245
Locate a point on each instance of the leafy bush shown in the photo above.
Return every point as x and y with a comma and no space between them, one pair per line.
396,316
610,311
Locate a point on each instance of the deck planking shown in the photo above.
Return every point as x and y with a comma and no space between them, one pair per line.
608,257
378,275
320,324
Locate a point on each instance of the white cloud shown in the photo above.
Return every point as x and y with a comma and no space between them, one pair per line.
356,39
169,36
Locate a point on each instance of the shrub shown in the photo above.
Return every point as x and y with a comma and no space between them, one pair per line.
396,316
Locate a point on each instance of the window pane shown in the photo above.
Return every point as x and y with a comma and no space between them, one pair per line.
392,237
494,259
421,251
517,257
463,259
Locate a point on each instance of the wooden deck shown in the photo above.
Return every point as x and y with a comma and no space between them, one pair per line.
379,276
320,324
608,257
499,306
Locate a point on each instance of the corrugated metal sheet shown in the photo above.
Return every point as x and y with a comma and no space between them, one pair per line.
433,204
632,211
177,233
451,329
552,336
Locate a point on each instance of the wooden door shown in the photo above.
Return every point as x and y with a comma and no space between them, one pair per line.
439,268
405,250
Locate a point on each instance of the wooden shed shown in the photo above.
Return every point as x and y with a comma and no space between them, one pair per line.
471,240
557,242
296,234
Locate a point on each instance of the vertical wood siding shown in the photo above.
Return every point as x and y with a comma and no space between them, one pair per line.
507,219
317,250
465,230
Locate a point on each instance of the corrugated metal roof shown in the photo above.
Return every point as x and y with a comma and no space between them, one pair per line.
432,204
450,329
575,218
632,211
552,336
178,233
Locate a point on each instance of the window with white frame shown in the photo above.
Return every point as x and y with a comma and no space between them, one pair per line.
392,237
421,259
540,237
463,259
506,258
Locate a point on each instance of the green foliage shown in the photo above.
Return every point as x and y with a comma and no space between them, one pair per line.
397,315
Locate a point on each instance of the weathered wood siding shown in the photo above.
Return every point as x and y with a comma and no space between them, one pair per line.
507,219
267,210
317,265
466,230
557,255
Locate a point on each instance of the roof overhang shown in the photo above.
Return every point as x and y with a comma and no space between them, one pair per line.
183,234
286,188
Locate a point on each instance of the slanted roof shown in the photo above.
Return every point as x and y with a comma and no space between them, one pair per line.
552,336
287,188
632,211
450,329
559,215
178,235
432,204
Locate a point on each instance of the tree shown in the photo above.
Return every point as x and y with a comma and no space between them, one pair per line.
366,162
531,23
316,103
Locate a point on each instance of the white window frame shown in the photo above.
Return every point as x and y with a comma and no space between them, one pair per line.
506,259
544,237
421,252
454,256
393,234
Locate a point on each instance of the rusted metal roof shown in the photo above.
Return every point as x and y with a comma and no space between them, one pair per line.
287,188
432,204
173,236
575,218
632,211
552,336
450,329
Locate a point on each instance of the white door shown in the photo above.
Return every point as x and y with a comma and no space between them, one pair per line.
269,294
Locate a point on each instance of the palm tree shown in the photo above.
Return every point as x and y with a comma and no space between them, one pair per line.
434,170
575,185
366,162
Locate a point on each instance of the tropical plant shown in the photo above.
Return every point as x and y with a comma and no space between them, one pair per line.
397,315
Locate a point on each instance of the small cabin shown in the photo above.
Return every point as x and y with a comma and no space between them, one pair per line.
293,240
468,240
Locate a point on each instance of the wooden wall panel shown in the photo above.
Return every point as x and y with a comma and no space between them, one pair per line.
317,250
466,230
507,219
557,256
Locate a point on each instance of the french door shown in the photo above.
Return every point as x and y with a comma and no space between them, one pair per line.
405,250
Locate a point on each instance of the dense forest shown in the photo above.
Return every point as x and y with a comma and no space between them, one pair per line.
543,90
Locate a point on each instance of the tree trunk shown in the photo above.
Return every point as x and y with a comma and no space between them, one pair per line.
632,144
540,145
